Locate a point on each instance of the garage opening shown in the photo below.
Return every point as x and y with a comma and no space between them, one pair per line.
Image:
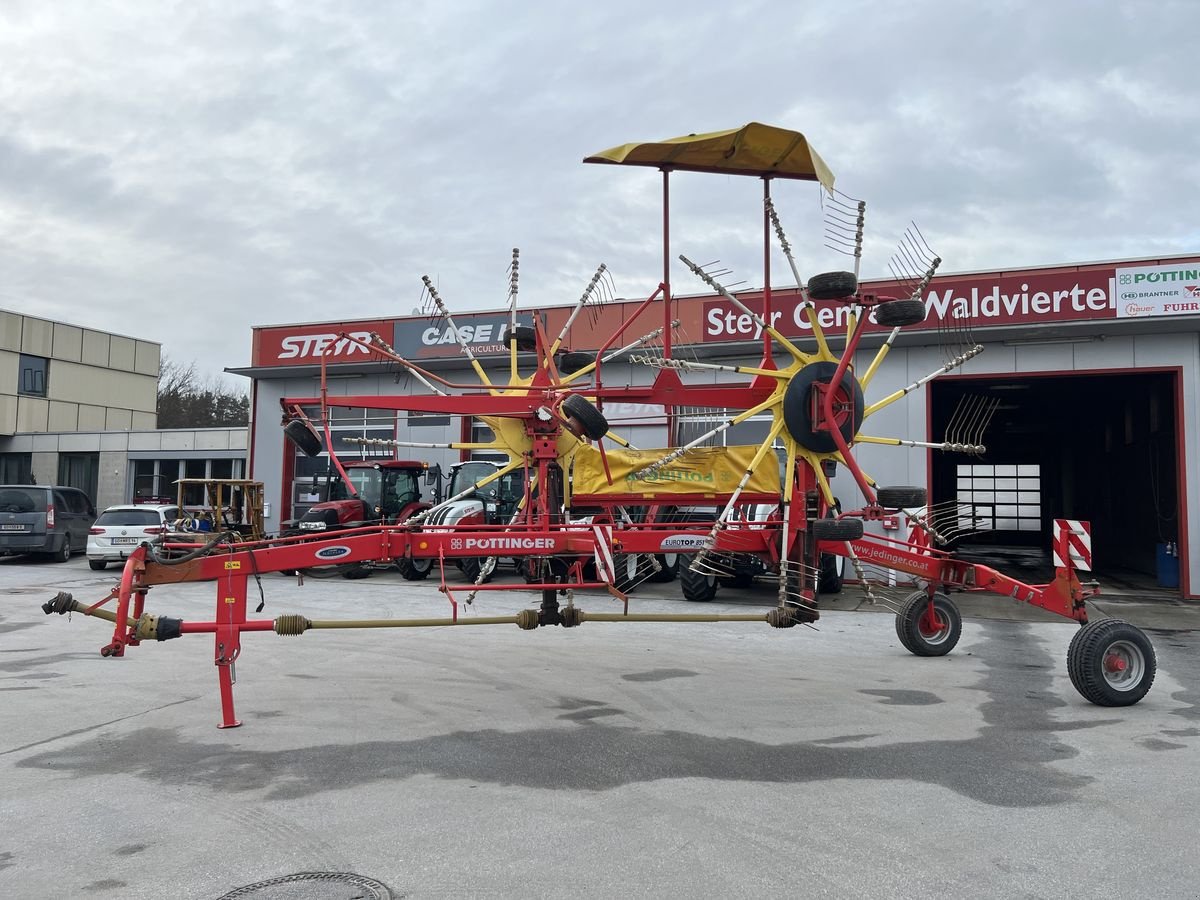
1099,447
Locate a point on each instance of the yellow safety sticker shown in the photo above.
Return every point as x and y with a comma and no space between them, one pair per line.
233,564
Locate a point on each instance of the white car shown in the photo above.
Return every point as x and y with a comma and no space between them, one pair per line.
119,529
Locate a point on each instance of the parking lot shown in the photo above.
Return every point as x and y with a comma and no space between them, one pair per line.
724,760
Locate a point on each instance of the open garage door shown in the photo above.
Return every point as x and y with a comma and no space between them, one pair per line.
1100,447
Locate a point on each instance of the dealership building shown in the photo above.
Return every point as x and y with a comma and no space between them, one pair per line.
1088,385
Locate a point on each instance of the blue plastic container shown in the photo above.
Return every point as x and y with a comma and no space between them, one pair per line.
1168,565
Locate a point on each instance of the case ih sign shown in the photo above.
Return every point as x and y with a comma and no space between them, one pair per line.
1031,297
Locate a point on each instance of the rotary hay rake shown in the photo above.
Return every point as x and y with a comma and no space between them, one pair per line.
594,512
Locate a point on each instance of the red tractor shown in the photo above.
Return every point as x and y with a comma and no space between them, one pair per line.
379,492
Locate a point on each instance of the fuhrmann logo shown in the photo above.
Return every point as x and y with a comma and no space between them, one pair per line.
328,553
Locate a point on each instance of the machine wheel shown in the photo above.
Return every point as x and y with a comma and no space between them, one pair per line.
526,337
414,569
832,285
837,529
829,575
926,634
740,580
590,420
471,567
797,407
1111,663
572,362
697,587
97,565
668,567
901,497
631,569
356,571
894,313
303,436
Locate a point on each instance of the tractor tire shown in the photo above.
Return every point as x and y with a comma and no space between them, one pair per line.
590,420
797,407
304,437
897,313
355,571
97,565
668,567
901,497
837,529
414,569
471,567
832,286
829,574
572,362
923,636
740,580
526,336
1111,663
631,569
697,587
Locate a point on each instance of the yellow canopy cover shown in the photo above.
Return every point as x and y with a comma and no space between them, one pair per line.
702,470
753,149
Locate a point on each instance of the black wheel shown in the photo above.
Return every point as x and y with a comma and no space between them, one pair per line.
832,285
925,632
471,567
97,565
631,570
572,362
304,437
526,337
590,420
356,571
901,497
414,569
697,586
837,529
63,553
797,407
829,575
668,567
893,313
1111,663
740,580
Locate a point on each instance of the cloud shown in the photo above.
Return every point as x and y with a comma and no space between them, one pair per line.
181,171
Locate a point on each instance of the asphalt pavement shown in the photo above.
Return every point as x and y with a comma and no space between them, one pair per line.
710,760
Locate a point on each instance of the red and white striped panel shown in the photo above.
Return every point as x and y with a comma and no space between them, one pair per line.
1073,538
605,568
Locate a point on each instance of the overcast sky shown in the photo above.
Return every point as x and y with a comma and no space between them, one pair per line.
180,171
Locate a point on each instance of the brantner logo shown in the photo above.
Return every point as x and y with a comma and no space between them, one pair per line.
671,475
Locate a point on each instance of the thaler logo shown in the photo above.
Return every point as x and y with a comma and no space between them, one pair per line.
315,345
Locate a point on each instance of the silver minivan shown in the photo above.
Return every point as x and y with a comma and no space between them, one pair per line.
44,519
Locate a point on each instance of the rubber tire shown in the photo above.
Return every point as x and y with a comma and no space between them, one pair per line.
901,497
796,403
97,565
832,286
591,420
1085,662
356,571
898,313
63,553
625,581
668,567
526,336
697,587
572,362
411,568
302,435
908,625
740,580
829,574
471,567
837,529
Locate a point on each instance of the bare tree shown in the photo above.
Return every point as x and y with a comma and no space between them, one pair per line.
186,400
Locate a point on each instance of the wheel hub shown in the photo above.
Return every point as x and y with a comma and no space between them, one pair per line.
805,420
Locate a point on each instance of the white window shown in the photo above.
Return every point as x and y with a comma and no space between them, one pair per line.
1000,498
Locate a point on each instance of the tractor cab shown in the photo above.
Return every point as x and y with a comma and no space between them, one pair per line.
499,497
384,491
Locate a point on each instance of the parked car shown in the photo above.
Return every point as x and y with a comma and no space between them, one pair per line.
121,528
44,519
